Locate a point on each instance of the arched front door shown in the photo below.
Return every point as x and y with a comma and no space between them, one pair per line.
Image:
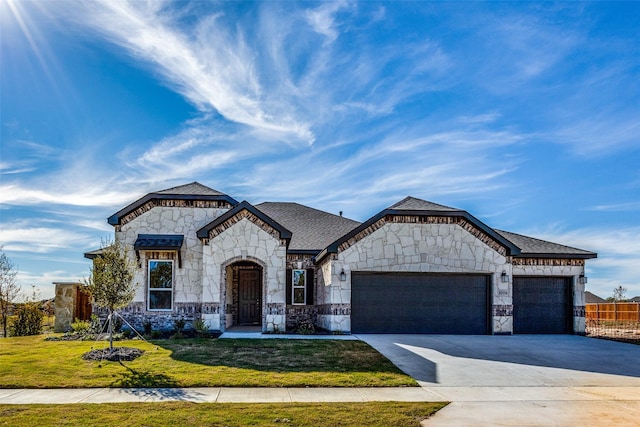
249,276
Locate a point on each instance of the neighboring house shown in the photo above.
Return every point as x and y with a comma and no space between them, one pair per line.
590,298
416,267
635,299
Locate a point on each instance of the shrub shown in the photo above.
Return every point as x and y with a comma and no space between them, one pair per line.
156,334
96,326
201,328
28,320
146,326
306,327
81,327
179,324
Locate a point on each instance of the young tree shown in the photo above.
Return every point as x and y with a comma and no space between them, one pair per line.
618,293
9,289
111,281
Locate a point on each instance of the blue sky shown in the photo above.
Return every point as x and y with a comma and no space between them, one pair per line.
527,115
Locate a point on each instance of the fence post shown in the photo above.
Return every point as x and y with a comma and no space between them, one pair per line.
638,312
615,312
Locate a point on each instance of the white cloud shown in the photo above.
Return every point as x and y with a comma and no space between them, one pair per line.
213,68
41,239
618,250
322,19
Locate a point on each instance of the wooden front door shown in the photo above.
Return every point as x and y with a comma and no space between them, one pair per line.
250,297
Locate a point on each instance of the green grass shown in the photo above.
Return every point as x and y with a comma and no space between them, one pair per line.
31,362
396,414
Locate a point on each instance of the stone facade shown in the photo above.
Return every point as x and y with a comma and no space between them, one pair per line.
67,306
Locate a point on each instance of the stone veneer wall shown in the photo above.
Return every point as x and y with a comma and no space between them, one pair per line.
187,295
65,306
245,240
413,247
300,313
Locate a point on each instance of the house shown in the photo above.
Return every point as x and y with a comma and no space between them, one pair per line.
590,298
415,267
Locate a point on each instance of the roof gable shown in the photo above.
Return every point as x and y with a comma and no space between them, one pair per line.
243,210
189,195
412,203
194,188
415,210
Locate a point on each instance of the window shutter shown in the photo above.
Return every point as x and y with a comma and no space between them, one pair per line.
289,286
310,285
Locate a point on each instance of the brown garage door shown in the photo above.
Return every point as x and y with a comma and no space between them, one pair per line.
542,305
419,303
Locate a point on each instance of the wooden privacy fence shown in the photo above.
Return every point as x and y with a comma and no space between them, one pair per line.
614,311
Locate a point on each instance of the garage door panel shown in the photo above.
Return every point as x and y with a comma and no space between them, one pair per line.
419,303
541,305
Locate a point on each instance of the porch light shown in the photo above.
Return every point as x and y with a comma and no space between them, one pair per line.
505,278
343,275
582,279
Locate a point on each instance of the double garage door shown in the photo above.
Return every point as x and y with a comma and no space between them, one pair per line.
417,303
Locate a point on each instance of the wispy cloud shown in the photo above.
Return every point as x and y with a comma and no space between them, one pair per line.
41,239
212,67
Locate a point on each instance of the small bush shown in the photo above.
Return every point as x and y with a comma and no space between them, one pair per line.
28,320
156,334
306,327
179,324
146,326
81,327
127,333
96,326
201,328
117,323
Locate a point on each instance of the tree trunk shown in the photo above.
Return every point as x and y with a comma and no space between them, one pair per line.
110,331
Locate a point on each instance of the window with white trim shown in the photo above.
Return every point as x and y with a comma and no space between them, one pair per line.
299,287
160,285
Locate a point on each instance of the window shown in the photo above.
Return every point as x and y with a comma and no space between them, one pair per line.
299,288
160,285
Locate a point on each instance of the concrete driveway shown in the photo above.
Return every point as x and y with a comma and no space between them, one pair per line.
524,380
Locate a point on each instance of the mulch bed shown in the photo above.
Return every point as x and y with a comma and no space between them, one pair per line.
116,355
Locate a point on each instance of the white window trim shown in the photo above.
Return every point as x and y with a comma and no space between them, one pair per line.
294,287
149,289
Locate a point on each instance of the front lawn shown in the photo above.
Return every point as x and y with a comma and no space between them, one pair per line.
397,414
31,362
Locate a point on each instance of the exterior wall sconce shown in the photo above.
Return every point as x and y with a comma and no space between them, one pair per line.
343,275
505,278
582,279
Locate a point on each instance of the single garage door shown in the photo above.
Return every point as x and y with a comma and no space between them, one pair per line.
542,305
416,303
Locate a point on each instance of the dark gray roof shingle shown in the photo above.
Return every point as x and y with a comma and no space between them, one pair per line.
412,204
312,229
531,246
590,298
192,189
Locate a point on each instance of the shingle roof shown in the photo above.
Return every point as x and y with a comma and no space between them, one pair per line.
412,204
312,229
532,247
193,192
590,298
194,188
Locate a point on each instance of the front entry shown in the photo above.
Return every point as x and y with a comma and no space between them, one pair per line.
249,296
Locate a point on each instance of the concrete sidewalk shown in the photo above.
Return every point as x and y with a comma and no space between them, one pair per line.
217,395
